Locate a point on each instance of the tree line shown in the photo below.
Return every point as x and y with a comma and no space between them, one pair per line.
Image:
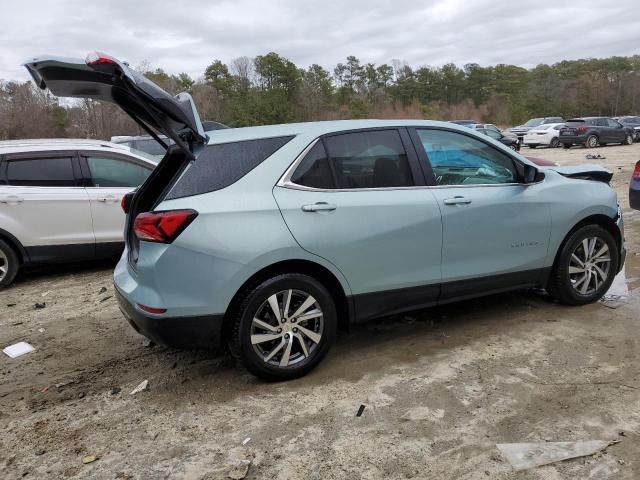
271,89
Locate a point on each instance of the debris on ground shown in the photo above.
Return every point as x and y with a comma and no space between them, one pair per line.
360,411
89,459
422,413
105,298
44,294
590,156
38,306
147,343
522,456
246,440
144,385
238,463
11,304
18,349
115,390
102,290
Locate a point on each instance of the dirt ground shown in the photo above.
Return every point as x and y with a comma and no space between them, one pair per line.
440,388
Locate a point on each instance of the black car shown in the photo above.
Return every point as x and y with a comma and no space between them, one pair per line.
593,131
631,122
512,142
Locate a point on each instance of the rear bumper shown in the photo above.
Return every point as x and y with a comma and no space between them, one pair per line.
572,139
178,332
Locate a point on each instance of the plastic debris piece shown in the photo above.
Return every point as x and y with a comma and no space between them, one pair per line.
246,440
102,290
89,459
238,469
18,349
360,411
523,456
144,385
38,306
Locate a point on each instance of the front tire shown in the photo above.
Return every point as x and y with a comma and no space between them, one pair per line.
284,327
628,140
9,264
585,266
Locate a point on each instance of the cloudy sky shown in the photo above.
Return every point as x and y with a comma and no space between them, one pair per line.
186,35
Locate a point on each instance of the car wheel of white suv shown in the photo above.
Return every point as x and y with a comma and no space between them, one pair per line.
284,327
8,264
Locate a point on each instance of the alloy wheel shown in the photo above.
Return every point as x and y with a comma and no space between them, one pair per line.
287,327
590,265
592,141
629,140
4,265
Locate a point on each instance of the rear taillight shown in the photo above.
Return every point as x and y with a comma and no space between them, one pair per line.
162,227
126,202
636,172
581,129
97,58
154,310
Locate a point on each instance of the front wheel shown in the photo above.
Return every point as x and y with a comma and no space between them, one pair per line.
628,140
513,146
284,327
585,266
8,264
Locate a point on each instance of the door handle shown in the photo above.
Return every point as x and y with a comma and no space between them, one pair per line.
457,200
319,207
11,200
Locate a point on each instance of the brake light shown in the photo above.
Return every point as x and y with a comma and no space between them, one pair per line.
151,309
581,129
162,227
97,58
126,202
636,172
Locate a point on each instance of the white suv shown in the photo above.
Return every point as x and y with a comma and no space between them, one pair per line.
60,200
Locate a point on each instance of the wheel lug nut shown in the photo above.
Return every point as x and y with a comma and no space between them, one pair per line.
279,330
295,330
284,320
293,320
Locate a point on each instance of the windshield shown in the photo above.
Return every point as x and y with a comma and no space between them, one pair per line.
534,122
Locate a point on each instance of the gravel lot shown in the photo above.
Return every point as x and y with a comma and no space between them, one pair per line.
440,388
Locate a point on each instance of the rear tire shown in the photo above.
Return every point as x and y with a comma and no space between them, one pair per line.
9,263
591,142
554,142
585,266
628,140
284,345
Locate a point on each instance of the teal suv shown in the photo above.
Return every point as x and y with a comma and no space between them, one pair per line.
268,239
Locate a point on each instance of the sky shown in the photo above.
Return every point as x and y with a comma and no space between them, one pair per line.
187,35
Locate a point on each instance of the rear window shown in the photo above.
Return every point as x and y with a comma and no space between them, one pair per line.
41,172
224,164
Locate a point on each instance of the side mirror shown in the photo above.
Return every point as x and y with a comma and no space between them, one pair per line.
531,174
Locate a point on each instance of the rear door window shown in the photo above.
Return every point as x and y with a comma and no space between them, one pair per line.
112,172
221,165
41,172
368,159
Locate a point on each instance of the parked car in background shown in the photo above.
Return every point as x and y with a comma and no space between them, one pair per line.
631,122
147,144
463,122
60,200
491,126
521,130
547,135
277,234
510,141
634,188
593,131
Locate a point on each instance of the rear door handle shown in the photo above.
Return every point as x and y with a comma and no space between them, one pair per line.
319,207
457,200
11,200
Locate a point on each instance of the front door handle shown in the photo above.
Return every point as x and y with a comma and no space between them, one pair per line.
11,200
319,207
457,200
